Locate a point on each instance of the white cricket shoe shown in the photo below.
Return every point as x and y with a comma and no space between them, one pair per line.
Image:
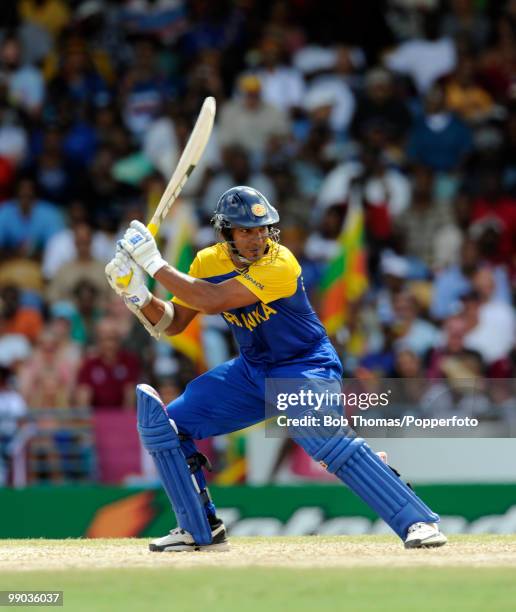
424,535
180,540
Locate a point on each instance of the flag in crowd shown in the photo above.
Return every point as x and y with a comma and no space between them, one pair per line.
345,278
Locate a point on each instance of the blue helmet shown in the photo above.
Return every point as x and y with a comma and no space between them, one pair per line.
243,207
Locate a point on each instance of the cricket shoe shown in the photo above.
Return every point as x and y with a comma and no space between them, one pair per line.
424,535
179,540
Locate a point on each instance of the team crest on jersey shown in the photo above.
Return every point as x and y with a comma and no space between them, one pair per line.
258,210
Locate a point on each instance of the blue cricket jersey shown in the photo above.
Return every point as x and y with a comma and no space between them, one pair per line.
282,323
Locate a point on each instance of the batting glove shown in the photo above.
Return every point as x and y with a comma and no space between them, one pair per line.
122,266
139,243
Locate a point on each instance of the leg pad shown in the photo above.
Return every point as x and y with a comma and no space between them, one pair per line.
353,462
159,436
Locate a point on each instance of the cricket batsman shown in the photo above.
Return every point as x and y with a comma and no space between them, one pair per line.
256,285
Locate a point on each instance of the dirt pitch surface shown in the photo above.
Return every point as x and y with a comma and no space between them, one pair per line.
284,552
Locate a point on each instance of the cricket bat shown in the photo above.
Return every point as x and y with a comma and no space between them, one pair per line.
186,165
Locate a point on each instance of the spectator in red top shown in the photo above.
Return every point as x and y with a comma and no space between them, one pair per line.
108,377
493,218
6,178
454,329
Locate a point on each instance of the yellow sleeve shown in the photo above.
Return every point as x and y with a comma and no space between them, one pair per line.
270,282
195,269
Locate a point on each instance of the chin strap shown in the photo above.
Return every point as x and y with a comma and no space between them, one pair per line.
243,260
236,254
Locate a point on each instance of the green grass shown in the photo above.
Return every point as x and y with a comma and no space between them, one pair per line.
486,589
259,589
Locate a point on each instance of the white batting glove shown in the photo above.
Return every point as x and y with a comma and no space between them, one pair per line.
122,266
139,243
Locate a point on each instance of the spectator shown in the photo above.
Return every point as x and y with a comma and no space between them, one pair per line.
491,323
6,178
424,219
13,136
379,108
12,409
250,122
237,172
439,139
498,62
378,360
322,244
144,88
61,248
135,339
282,86
314,159
424,60
394,271
83,268
48,377
412,332
462,393
449,240
52,15
103,190
465,22
77,79
409,366
454,330
15,318
27,223
335,85
465,96
107,378
86,313
293,206
57,179
383,191
206,78
60,326
454,281
26,89
493,217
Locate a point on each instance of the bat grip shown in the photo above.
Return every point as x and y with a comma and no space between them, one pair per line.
123,281
153,227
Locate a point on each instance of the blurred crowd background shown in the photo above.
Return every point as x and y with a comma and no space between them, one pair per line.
406,107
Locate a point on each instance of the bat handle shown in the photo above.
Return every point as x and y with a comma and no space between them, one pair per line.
123,281
153,226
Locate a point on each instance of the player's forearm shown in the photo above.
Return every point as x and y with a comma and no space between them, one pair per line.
153,312
199,294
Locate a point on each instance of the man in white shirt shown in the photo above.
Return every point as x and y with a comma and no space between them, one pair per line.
12,408
425,60
282,86
494,334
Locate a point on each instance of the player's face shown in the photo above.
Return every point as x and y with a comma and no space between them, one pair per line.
251,242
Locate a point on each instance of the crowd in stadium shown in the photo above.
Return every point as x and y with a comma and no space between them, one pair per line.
405,106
